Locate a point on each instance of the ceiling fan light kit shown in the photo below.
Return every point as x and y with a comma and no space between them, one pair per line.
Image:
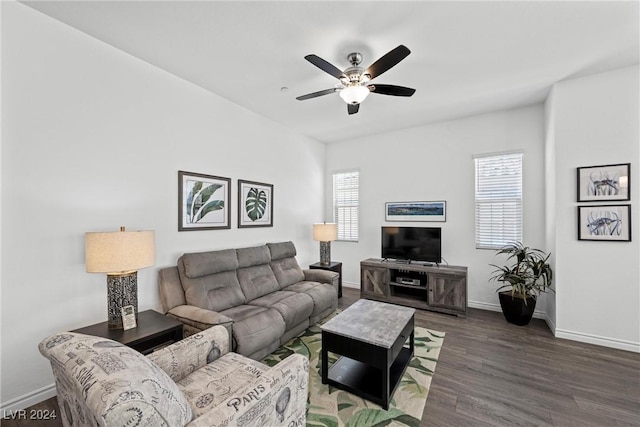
353,88
354,94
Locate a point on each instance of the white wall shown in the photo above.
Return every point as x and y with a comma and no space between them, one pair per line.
549,201
93,139
1,245
596,123
434,162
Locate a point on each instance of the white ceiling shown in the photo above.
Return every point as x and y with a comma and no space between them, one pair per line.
467,57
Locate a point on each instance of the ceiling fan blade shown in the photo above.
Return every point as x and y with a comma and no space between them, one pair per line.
353,108
391,90
325,66
390,59
316,94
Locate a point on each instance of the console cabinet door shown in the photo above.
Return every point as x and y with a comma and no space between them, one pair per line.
448,291
374,281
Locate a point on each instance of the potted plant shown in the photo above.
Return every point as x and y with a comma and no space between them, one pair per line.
523,280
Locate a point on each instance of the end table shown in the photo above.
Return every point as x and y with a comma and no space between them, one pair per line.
153,331
333,266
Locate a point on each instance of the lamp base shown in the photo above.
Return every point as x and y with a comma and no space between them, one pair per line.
122,290
325,253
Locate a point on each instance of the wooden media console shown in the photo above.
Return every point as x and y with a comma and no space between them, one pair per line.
428,287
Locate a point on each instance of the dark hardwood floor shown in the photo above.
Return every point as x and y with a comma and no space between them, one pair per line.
492,373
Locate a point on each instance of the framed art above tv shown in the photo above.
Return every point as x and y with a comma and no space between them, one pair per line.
416,211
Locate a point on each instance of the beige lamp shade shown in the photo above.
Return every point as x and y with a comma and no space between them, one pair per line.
392,230
326,232
119,252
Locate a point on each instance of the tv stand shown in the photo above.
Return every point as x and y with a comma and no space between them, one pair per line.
428,287
424,263
409,261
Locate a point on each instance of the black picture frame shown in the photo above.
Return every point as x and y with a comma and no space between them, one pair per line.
204,202
255,204
604,183
421,211
604,223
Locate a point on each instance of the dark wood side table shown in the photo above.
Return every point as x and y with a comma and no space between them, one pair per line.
334,266
154,330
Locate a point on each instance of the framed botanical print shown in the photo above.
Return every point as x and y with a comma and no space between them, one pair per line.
255,204
604,183
203,202
604,223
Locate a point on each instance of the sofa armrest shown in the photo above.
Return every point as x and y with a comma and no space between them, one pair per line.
195,319
322,276
190,354
278,397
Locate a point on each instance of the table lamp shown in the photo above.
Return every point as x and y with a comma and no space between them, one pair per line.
325,234
120,254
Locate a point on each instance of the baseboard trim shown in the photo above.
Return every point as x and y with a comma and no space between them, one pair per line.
473,304
29,399
537,314
550,324
558,333
598,340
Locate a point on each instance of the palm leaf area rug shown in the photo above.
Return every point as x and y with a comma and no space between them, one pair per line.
331,407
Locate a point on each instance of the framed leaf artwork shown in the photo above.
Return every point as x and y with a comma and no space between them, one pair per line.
255,204
203,202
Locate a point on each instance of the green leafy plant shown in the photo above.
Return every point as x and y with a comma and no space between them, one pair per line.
256,203
198,203
528,275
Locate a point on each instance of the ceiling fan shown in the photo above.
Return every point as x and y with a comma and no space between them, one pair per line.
353,87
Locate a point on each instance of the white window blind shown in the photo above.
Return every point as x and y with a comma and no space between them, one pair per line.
345,204
498,200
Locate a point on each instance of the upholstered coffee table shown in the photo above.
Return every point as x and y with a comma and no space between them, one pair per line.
370,337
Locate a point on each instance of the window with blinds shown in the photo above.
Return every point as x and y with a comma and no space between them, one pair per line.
345,204
498,200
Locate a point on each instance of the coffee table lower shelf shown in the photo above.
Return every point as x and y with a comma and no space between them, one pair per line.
366,381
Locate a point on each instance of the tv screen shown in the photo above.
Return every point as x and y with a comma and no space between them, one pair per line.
412,243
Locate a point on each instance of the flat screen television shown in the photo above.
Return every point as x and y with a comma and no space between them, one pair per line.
421,244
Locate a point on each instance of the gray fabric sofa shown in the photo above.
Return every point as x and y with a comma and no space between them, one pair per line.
260,294
194,382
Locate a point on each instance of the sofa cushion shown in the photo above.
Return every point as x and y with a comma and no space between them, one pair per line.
287,271
257,280
212,384
324,296
294,307
256,255
254,327
85,366
204,263
281,250
216,292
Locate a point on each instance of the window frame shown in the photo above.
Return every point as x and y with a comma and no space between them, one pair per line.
501,198
343,236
